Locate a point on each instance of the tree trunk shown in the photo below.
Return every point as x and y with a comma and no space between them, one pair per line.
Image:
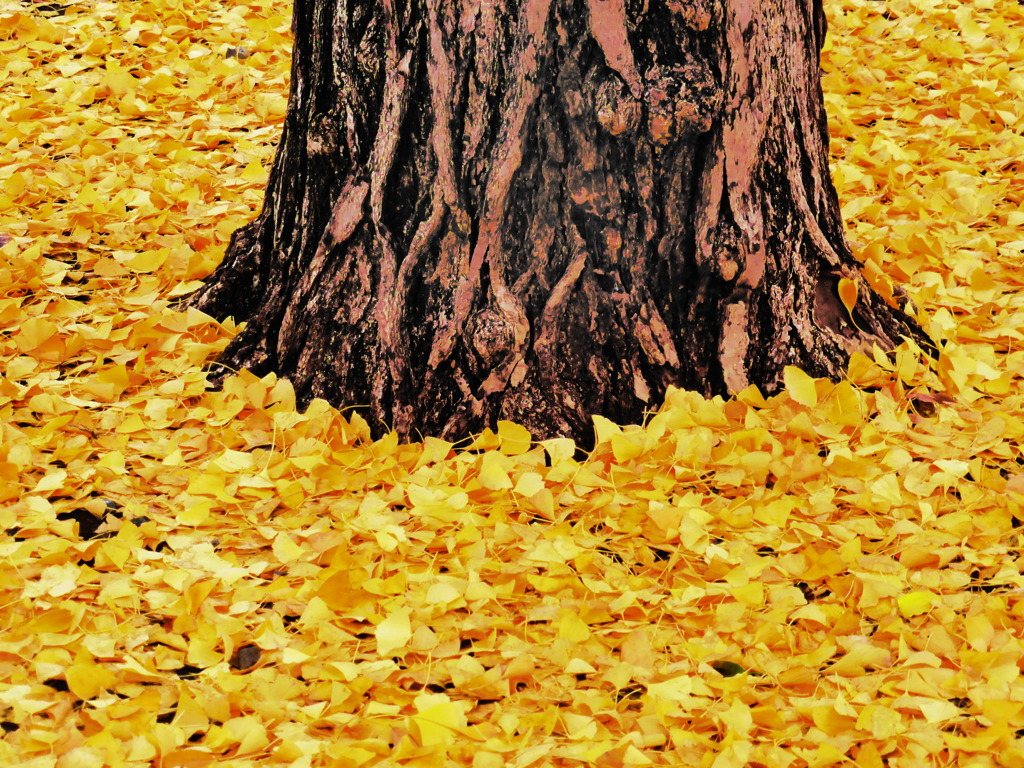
539,210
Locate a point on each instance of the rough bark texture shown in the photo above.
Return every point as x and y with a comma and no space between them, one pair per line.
539,210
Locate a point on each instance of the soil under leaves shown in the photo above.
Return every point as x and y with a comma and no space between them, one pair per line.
193,576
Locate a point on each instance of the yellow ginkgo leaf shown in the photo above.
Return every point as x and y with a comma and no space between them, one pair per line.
438,722
515,439
801,387
394,632
254,171
493,474
87,680
917,602
848,294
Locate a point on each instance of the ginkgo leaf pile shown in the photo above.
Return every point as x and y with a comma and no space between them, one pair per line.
191,576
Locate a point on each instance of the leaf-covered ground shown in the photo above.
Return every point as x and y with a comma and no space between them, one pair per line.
830,576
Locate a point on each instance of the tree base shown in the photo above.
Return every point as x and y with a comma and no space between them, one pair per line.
548,211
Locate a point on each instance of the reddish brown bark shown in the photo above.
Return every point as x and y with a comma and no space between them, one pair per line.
546,209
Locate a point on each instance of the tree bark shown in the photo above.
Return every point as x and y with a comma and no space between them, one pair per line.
539,210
